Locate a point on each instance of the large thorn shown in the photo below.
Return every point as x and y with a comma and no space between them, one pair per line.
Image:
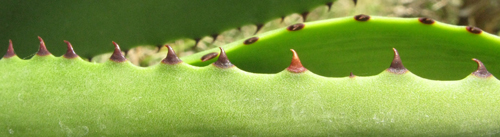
117,54
171,58
223,61
355,2
481,70
43,49
70,53
295,65
397,65
10,51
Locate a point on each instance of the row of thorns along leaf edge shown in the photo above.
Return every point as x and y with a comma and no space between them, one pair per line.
223,62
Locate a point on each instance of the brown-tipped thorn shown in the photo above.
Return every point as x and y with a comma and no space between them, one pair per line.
397,65
259,27
209,56
295,27
304,16
251,40
295,66
352,75
355,2
43,49
171,58
282,19
481,70
214,37
223,61
426,20
329,4
70,53
117,54
474,30
10,51
362,17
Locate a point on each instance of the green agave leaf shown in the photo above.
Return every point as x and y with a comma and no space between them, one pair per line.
57,96
91,25
66,95
339,46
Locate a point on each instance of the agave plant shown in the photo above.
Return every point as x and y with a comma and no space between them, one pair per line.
257,87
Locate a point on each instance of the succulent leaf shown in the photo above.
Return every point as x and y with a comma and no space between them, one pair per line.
91,25
339,46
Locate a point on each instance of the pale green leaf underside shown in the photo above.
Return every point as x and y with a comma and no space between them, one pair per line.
92,25
54,96
338,46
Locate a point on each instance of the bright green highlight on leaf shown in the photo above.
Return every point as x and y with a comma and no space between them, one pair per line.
339,46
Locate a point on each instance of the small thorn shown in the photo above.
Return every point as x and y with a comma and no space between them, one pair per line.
295,66
296,27
282,19
196,41
304,16
10,51
397,65
426,20
259,27
223,61
481,70
159,48
117,54
43,49
352,75
329,4
125,52
239,28
209,56
251,40
355,2
214,36
70,53
362,17
474,30
171,58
